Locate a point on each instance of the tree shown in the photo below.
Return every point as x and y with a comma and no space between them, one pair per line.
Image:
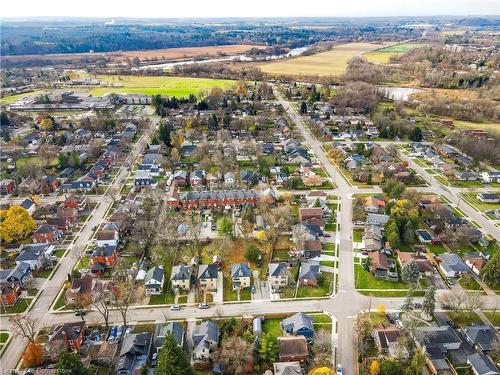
410,273
391,367
71,362
374,367
101,302
235,354
33,355
322,349
252,253
418,360
172,359
381,310
429,303
15,224
416,134
24,326
490,273
452,300
125,294
81,304
303,107
225,227
268,351
408,302
321,371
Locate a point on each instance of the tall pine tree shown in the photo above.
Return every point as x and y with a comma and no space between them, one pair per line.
172,360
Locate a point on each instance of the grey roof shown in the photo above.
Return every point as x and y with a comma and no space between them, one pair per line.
278,269
240,270
287,368
219,194
27,203
296,322
180,272
205,334
208,271
482,364
134,345
484,336
437,336
176,329
155,273
453,262
309,270
379,219
30,254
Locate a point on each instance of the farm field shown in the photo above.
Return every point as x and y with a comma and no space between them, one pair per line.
155,54
383,55
329,63
489,126
172,86
13,98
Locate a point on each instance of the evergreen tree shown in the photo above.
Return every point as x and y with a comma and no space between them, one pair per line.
408,302
268,348
491,271
70,362
416,134
429,304
303,107
172,360
410,273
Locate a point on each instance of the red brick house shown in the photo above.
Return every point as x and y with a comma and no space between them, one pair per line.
68,213
312,216
10,293
103,258
75,201
49,184
69,335
47,233
214,199
174,200
61,223
7,186
79,287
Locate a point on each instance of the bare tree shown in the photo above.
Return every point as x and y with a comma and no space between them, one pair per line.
81,304
472,301
24,326
101,298
452,300
236,354
125,295
322,349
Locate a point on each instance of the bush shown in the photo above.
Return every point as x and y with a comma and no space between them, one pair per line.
252,253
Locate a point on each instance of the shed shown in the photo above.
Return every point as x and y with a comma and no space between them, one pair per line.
257,326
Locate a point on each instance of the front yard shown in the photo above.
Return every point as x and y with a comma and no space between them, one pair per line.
365,280
322,290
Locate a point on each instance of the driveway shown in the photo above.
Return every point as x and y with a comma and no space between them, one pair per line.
219,295
261,288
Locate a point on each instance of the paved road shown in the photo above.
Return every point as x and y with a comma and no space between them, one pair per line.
343,306
50,288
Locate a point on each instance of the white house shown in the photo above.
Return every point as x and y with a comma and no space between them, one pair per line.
489,177
154,280
488,197
107,238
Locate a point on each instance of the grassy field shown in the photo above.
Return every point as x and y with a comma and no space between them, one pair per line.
472,200
329,63
382,56
172,86
13,98
365,280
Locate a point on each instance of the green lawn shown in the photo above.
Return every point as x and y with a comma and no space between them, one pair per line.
436,249
469,283
471,199
329,246
272,326
281,254
387,293
18,308
59,253
13,98
60,302
162,299
322,290
463,318
442,180
42,273
493,317
163,85
328,263
357,236
365,280
4,336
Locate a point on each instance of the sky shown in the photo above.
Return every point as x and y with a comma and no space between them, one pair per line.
247,8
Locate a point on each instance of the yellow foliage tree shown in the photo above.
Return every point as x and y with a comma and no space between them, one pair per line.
261,235
321,371
15,224
374,367
47,123
381,309
33,355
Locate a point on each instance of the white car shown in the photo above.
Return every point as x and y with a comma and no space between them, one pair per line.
340,370
175,307
84,271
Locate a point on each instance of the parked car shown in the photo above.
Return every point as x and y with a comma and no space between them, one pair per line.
81,313
175,307
340,370
154,359
417,305
252,289
84,271
451,323
203,306
214,227
128,331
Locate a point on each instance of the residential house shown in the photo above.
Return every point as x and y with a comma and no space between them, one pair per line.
451,265
481,364
79,287
103,258
248,177
476,262
207,276
9,293
299,324
293,349
440,337
49,184
83,184
47,233
214,199
205,336
20,274
308,274
144,179
241,275
181,277
29,205
7,186
278,275
482,337
377,219
386,340
68,213
78,202
372,237
213,180
134,353
489,177
35,255
154,280
176,329
488,197
229,179
180,177
197,178
107,238
465,176
373,204
312,216
424,265
69,335
312,249
379,264
311,231
287,368
63,224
